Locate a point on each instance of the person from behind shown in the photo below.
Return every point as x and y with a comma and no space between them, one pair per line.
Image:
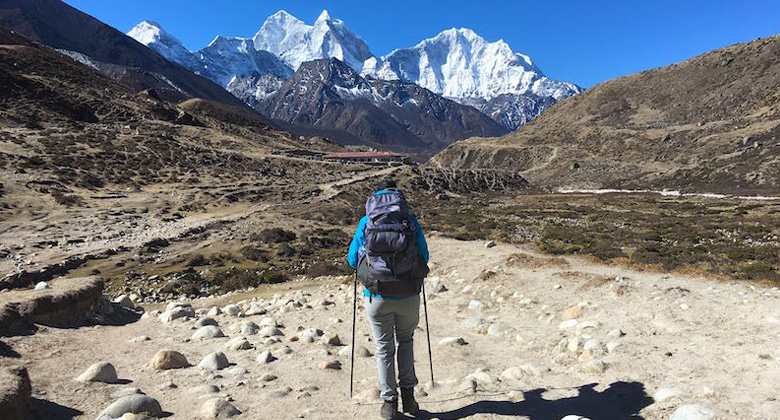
390,255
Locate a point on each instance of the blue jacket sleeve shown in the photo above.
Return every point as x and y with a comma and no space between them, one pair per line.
358,242
422,245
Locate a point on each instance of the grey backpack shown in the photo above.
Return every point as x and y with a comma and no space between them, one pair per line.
392,264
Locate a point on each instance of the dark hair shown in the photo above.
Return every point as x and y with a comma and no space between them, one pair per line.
387,184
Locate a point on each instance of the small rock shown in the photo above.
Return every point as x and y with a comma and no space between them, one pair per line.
131,416
209,331
490,244
237,371
238,343
168,359
270,332
41,285
482,375
437,286
280,393
473,322
594,366
265,357
452,341
140,338
331,339
616,333
475,304
176,312
513,373
214,311
232,310
268,322
133,404
256,309
592,345
332,364
572,313
125,302
612,346
565,325
693,412
205,322
268,377
99,372
573,344
359,351
249,328
218,408
535,368
214,361
498,328
664,394
574,417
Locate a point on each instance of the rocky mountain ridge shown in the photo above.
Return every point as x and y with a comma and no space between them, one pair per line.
330,95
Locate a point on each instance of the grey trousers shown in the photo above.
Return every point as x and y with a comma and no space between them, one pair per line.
394,320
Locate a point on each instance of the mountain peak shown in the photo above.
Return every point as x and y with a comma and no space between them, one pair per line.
324,16
152,35
295,42
454,33
282,16
149,31
150,23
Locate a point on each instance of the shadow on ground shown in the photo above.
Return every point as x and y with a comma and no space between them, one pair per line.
119,316
43,409
620,401
8,351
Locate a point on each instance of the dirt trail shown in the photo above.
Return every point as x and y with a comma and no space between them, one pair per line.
685,340
331,190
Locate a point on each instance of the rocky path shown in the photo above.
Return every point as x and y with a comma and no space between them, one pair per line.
515,334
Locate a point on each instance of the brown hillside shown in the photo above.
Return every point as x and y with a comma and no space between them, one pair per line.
61,26
711,123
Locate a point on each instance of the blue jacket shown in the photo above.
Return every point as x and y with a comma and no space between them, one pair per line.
357,247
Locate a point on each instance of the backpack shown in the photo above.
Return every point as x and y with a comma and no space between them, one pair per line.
392,264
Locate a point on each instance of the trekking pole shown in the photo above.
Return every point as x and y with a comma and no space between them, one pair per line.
428,332
352,359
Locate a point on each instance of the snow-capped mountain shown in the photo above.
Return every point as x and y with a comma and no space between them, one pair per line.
457,64
151,33
222,60
296,42
461,65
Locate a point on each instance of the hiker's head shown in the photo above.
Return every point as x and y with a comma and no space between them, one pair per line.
388,184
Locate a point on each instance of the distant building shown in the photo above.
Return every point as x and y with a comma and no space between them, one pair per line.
365,157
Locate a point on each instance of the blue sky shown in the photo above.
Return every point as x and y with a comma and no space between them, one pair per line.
585,42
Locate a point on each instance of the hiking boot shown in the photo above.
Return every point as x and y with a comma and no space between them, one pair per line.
409,404
389,410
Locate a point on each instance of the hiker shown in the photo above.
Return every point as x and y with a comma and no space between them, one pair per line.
390,255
